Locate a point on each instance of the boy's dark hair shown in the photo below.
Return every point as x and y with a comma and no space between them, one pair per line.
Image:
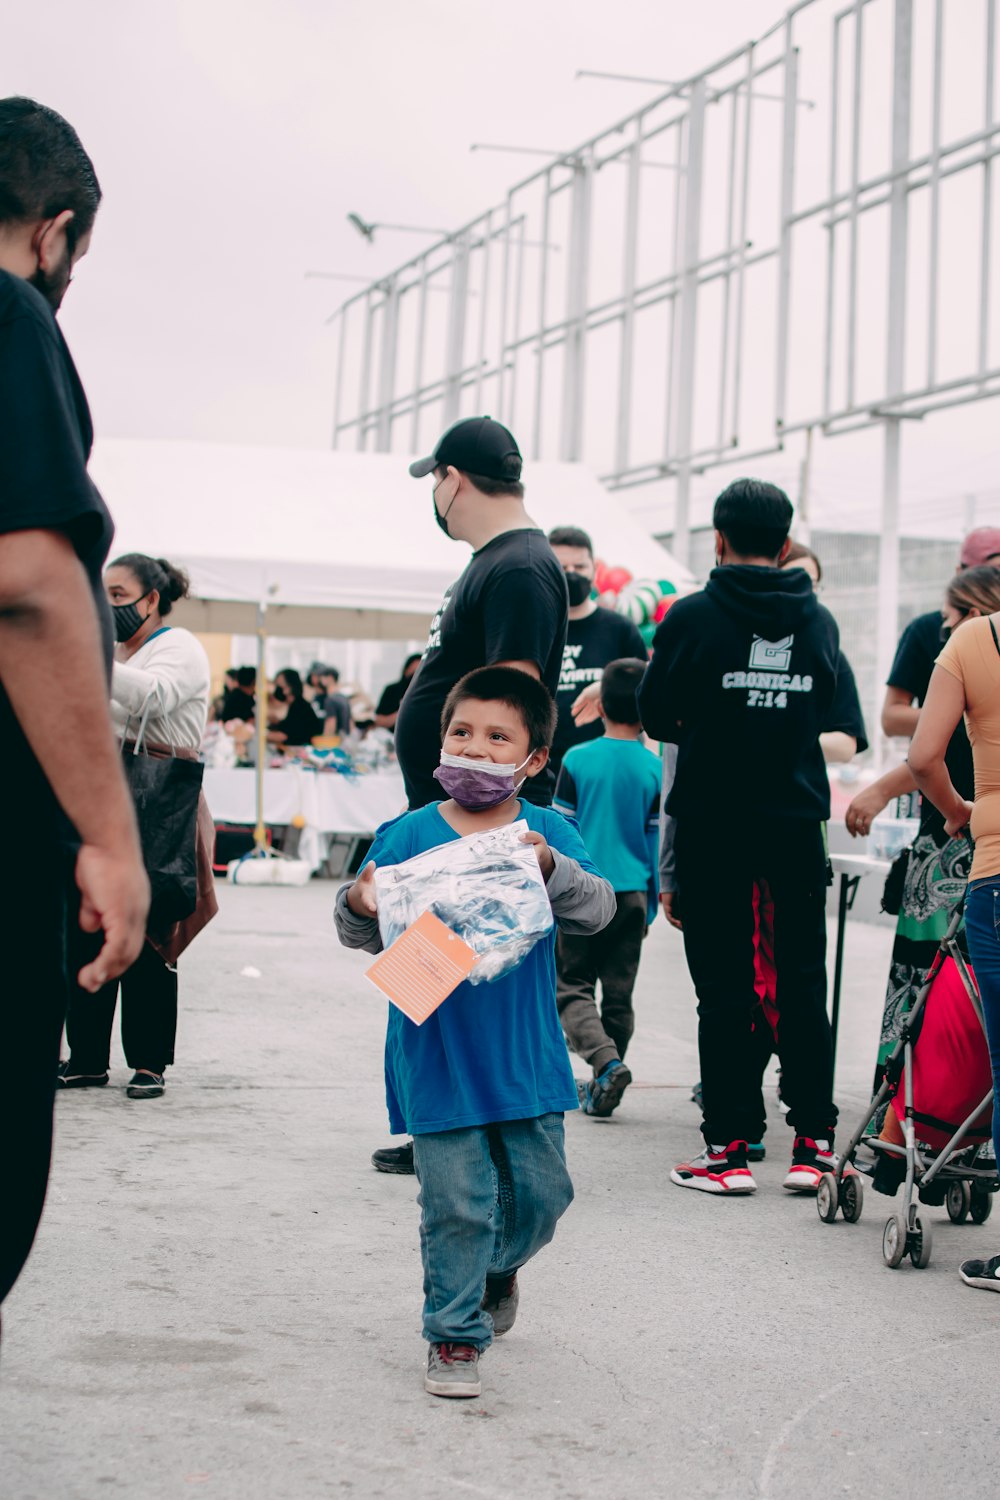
570,536
754,517
525,694
489,486
619,685
328,672
247,677
44,169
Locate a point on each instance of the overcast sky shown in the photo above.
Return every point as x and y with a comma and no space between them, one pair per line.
232,137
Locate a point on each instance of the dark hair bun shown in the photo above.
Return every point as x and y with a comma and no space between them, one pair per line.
178,584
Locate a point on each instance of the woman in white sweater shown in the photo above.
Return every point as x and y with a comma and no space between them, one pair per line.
163,669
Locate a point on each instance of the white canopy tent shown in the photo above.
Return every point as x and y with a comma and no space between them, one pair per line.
337,545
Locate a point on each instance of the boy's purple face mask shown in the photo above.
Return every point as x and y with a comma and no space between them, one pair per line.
478,784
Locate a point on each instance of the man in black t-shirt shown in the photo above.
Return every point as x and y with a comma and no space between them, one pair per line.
742,679
595,637
906,688
507,609
68,815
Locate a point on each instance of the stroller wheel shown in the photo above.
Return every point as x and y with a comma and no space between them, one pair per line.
894,1241
981,1207
920,1243
827,1198
958,1201
852,1199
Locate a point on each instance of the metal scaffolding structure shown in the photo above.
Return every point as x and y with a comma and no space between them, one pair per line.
694,284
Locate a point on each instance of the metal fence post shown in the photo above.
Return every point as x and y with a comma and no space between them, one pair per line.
387,367
888,554
571,439
455,346
688,320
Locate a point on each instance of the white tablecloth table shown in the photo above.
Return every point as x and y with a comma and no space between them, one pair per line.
328,802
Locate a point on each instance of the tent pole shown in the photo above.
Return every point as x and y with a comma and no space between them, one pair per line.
260,832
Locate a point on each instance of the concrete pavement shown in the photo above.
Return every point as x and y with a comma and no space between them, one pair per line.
224,1297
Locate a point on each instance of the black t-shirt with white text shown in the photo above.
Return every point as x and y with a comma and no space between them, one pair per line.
591,643
918,650
743,679
510,604
45,440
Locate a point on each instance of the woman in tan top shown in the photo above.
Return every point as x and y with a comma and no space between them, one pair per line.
966,680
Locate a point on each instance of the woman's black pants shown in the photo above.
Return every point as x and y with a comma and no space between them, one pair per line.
149,1018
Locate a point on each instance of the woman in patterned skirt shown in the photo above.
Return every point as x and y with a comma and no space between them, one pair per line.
937,866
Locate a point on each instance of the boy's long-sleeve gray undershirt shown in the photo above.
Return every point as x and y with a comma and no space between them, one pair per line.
582,904
668,825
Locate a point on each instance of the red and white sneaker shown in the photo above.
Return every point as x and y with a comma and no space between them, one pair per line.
718,1169
810,1159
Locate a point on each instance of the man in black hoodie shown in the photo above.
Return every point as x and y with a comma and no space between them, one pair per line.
741,679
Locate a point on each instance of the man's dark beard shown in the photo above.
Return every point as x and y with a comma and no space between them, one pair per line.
53,287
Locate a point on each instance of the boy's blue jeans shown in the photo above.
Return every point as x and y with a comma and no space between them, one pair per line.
490,1198
982,929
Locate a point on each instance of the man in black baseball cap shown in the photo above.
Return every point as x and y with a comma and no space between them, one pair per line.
477,445
509,608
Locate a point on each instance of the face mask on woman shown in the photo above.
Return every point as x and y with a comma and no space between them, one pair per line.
128,619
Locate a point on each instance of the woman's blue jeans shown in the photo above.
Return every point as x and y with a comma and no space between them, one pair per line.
490,1198
982,928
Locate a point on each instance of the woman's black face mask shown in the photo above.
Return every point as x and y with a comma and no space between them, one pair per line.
128,619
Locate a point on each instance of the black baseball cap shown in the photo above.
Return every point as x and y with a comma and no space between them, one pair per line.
476,445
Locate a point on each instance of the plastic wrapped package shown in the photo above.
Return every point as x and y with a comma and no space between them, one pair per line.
487,887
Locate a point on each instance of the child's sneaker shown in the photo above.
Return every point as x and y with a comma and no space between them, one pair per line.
603,1094
718,1169
810,1159
500,1300
453,1370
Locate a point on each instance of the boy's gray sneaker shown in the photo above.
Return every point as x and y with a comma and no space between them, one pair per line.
604,1093
500,1300
453,1370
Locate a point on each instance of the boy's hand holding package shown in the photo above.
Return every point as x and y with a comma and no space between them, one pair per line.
361,897
546,863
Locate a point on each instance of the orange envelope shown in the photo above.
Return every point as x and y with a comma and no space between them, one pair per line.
422,967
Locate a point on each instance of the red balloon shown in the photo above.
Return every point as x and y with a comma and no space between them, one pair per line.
615,579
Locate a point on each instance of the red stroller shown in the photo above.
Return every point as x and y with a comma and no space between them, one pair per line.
938,1084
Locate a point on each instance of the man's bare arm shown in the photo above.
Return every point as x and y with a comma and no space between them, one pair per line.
50,666
900,714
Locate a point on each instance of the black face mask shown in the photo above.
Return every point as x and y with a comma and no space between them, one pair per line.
53,288
442,520
279,694
127,620
579,589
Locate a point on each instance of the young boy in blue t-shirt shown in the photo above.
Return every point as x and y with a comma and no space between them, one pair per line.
612,787
483,1084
